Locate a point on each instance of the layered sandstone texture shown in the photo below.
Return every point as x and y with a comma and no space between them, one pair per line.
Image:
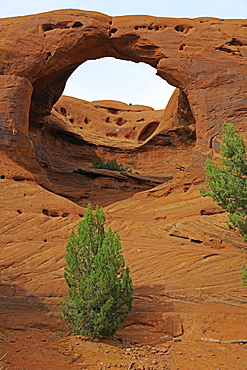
184,261
204,57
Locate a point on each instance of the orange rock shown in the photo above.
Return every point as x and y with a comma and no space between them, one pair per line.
184,261
204,57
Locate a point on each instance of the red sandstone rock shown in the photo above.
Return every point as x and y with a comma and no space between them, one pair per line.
203,57
15,99
109,123
184,261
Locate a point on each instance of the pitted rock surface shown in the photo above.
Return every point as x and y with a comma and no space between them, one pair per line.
184,261
204,57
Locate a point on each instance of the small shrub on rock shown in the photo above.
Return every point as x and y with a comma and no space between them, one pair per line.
111,164
244,275
99,285
227,183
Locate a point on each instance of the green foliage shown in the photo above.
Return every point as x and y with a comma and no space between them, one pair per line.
100,287
227,183
111,164
243,274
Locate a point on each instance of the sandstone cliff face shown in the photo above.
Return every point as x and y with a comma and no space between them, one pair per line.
184,261
205,58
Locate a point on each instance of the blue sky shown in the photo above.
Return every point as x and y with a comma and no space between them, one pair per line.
113,79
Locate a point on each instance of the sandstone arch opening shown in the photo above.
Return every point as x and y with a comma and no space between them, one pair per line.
137,136
69,133
125,81
113,80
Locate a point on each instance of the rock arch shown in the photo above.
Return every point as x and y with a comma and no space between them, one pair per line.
200,57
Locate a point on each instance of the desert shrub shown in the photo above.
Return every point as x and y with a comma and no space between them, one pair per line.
99,285
244,275
111,164
227,183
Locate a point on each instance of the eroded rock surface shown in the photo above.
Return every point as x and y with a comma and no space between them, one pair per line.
203,57
184,261
78,132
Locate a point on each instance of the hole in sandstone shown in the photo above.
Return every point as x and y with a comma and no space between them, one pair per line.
108,119
179,28
19,178
45,211
236,42
45,240
111,134
131,134
19,211
113,30
2,177
65,214
113,110
120,121
108,81
210,255
48,55
196,241
154,27
71,120
182,28
118,80
140,120
77,24
181,47
136,28
54,213
148,131
63,111
48,27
